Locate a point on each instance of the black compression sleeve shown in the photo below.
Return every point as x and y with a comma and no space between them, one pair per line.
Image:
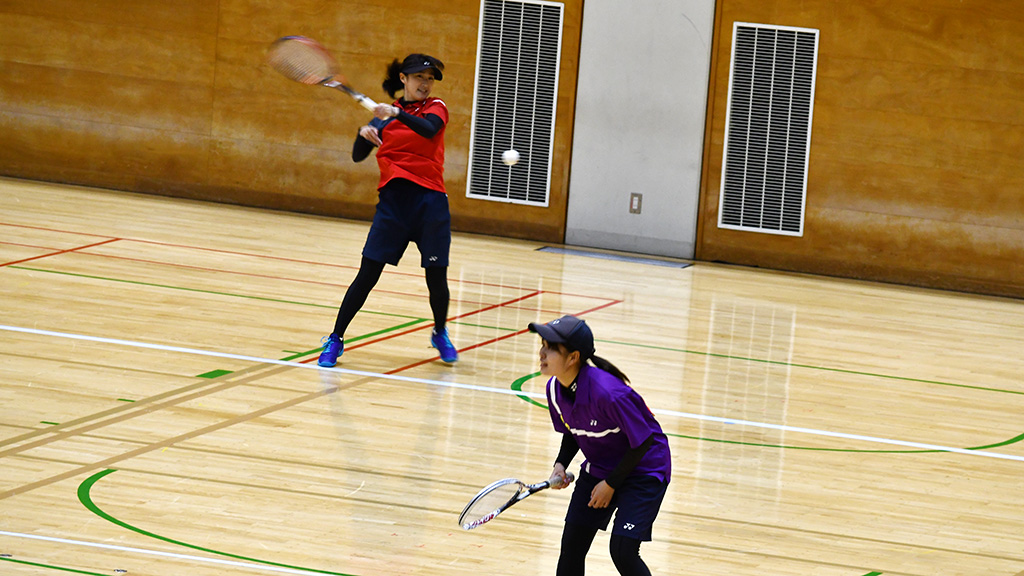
427,126
568,451
361,148
628,462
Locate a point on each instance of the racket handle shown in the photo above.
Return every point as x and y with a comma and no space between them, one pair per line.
569,479
366,102
363,100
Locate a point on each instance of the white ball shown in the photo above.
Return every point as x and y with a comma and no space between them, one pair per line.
510,157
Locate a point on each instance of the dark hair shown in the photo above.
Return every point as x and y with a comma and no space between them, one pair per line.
392,82
609,367
412,63
597,361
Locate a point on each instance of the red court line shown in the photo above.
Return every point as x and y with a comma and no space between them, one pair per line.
236,253
27,245
499,338
429,325
300,261
264,276
296,260
58,253
282,278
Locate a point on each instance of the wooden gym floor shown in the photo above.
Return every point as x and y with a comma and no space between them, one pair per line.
161,412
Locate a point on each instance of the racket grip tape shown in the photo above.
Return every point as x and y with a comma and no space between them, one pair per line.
569,480
366,102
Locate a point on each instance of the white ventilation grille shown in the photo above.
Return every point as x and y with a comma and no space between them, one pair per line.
514,100
768,128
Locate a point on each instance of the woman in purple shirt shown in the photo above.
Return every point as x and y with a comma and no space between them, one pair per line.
627,463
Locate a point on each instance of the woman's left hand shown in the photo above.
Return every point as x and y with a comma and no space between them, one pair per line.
601,495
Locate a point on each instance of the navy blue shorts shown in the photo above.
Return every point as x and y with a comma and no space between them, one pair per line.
636,504
410,213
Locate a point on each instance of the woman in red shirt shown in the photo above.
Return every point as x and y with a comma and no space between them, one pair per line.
412,202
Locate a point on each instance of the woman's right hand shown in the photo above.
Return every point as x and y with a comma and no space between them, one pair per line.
370,133
559,479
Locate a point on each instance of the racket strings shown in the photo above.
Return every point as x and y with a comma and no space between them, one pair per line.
301,62
489,501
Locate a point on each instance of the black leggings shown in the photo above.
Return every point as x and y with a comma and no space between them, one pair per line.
367,277
576,541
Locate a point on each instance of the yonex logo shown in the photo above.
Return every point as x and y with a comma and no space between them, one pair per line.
593,422
433,258
629,526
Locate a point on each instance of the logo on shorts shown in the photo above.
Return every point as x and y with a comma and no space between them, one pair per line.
629,526
593,422
433,258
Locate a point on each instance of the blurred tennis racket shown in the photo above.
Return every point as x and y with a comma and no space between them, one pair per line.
305,60
498,497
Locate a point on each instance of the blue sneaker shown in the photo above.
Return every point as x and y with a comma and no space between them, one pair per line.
333,347
443,343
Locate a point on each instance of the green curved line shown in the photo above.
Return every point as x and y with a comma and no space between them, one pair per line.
85,498
1013,440
518,387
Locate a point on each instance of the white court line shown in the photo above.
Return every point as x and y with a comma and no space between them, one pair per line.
165,554
687,415
263,360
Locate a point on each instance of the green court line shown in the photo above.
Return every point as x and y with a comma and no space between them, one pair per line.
85,498
668,349
125,400
475,325
215,374
518,387
811,367
408,324
1013,440
52,567
50,423
169,287
86,486
197,290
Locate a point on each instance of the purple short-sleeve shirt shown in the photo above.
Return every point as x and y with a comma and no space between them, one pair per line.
607,418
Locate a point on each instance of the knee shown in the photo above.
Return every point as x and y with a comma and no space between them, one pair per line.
624,551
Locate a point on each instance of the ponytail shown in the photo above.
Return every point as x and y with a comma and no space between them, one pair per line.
393,82
609,368
597,361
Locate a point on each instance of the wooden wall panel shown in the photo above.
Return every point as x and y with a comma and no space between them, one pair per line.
176,98
915,168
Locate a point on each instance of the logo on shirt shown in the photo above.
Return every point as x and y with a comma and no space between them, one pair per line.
593,423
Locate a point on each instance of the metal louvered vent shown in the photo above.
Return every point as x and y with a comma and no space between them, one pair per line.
514,102
768,129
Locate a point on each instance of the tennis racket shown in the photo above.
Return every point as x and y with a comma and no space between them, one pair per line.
498,497
305,60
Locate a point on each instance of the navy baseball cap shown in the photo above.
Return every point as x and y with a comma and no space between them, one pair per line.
419,62
568,330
